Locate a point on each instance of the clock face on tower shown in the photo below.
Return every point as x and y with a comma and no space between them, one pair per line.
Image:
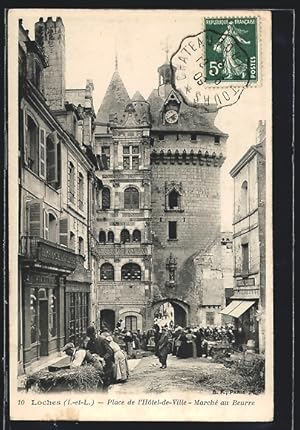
171,116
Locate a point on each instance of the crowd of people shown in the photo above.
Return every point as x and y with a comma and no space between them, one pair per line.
108,351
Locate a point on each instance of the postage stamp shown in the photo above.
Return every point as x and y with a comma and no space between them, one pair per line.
211,69
231,49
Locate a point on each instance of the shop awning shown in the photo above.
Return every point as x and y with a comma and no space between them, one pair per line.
237,308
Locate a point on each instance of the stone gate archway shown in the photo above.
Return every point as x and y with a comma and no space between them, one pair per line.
171,310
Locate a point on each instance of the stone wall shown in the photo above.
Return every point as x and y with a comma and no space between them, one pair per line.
198,224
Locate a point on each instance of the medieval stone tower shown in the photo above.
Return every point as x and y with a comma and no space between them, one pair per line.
188,151
159,212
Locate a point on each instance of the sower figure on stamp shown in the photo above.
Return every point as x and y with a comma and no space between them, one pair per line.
163,348
233,66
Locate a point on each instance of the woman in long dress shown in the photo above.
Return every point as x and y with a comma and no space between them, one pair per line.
121,365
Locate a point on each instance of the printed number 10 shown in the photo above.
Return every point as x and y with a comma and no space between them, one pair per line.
21,402
214,68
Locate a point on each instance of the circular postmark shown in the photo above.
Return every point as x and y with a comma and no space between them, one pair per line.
212,68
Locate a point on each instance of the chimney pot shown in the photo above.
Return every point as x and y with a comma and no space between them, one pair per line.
41,19
20,21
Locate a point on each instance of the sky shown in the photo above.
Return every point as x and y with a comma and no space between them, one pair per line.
139,39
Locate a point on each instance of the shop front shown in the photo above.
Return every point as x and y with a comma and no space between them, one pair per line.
44,267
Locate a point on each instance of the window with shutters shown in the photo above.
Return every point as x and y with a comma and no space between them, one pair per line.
32,144
42,153
35,217
71,182
131,323
80,191
110,237
107,272
125,236
136,236
131,157
53,160
64,232
131,272
105,198
102,236
131,198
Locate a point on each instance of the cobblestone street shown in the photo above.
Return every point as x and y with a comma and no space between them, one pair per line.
180,375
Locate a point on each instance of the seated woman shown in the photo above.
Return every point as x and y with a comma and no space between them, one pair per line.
79,357
121,365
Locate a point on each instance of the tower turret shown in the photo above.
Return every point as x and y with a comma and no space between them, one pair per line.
50,35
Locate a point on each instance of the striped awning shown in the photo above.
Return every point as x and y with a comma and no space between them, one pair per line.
237,308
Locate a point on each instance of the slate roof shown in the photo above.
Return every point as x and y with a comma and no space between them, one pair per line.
190,118
115,100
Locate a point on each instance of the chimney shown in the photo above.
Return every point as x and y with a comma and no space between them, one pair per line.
50,35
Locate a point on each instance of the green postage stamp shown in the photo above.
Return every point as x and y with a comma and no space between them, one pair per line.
231,49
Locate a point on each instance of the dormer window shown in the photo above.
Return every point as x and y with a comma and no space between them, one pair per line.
217,139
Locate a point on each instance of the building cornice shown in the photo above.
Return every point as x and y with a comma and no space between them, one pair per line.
184,157
252,151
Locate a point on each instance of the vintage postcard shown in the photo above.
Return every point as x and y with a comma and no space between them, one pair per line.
140,215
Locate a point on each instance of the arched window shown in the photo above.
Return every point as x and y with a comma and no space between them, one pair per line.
125,236
173,199
131,272
107,272
244,198
81,246
105,198
131,198
72,241
102,236
136,236
110,237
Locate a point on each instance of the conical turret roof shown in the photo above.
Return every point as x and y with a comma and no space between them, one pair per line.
137,97
115,99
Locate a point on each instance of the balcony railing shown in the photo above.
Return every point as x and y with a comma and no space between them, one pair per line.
43,251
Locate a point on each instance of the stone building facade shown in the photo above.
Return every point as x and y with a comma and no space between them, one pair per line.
56,185
247,305
178,153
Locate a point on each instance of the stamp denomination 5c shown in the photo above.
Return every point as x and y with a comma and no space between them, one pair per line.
231,49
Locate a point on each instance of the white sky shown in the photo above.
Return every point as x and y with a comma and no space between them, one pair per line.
139,38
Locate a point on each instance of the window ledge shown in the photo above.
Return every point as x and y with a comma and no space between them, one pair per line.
172,240
174,210
40,178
